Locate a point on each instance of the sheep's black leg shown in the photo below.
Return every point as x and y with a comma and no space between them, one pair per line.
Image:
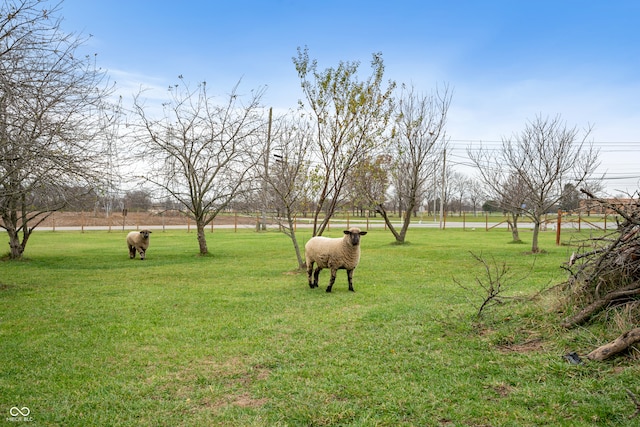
309,274
333,279
350,278
141,255
316,275
132,252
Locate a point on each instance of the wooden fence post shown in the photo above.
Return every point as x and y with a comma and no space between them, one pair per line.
580,222
558,227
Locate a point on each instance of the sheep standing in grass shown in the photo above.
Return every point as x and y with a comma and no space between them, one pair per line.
138,240
335,253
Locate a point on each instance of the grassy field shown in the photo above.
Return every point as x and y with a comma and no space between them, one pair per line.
237,338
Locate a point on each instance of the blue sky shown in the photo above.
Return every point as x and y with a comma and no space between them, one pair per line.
507,61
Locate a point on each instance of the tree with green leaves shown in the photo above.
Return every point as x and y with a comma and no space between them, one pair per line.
369,181
349,116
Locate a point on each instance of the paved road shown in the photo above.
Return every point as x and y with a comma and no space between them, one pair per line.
479,225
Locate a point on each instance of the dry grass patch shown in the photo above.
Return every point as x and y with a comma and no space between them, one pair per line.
207,384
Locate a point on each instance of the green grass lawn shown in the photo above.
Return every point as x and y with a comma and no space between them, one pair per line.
237,338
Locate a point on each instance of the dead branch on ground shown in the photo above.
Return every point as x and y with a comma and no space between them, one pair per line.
617,346
635,401
605,274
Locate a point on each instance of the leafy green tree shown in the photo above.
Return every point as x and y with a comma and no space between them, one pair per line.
571,198
491,206
369,181
349,118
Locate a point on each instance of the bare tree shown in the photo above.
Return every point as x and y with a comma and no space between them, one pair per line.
476,193
350,117
544,157
514,196
287,177
459,189
417,143
202,153
52,117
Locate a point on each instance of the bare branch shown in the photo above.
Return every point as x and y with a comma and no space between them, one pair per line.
202,152
52,107
535,168
634,399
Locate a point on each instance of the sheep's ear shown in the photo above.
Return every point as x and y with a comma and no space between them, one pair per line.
346,232
362,233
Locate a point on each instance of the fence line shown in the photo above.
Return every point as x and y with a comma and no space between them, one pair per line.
239,221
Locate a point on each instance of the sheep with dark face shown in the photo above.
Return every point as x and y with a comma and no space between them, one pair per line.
341,253
138,240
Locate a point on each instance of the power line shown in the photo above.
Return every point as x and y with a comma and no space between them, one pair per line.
499,141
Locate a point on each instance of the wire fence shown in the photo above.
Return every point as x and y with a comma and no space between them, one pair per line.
85,221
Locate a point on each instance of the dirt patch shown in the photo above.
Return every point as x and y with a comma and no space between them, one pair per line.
534,344
208,384
246,401
502,390
292,272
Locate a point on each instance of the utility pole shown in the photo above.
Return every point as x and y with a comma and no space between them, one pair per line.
444,174
266,174
435,189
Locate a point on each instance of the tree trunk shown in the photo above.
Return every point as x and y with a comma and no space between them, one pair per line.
515,232
16,248
620,344
318,229
534,240
406,222
202,239
380,209
11,219
294,240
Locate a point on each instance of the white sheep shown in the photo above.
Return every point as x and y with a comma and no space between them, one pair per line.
334,253
138,240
